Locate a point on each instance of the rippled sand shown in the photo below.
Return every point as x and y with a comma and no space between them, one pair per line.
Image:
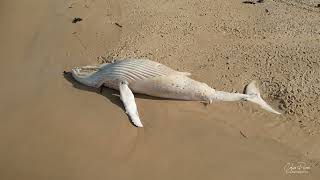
54,128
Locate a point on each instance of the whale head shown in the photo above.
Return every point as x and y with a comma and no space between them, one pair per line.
85,75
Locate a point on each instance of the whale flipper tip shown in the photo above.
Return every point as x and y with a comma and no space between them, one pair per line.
129,103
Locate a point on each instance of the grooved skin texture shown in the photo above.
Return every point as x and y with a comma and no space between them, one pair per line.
151,78
134,70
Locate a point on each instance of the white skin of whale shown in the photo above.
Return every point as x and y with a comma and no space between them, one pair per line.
154,79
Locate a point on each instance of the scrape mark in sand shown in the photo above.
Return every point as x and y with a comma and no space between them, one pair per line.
312,7
242,134
248,2
117,24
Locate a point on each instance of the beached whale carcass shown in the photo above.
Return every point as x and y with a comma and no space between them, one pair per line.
151,78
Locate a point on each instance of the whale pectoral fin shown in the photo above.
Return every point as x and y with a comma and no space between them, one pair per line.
129,103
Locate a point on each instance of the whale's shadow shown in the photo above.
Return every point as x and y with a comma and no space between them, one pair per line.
111,94
106,92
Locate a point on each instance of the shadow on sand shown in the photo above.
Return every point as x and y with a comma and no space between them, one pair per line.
111,94
106,92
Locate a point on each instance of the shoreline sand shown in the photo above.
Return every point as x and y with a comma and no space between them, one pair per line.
53,128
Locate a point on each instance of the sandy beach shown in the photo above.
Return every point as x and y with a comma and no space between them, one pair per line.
52,127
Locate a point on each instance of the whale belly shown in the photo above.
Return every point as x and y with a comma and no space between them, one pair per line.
173,87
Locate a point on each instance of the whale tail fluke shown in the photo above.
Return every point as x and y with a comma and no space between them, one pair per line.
255,97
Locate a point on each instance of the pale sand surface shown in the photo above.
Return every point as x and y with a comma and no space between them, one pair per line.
54,128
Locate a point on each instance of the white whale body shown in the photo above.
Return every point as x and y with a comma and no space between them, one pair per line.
151,78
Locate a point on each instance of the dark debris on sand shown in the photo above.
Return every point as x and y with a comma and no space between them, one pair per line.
252,2
76,19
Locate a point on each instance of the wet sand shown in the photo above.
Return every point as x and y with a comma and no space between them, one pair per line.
54,128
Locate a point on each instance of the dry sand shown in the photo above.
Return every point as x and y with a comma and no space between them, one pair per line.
54,128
